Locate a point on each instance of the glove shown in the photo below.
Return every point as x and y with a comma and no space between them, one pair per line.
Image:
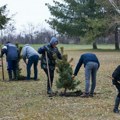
73,76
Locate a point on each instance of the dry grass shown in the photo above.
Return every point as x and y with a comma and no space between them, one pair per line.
24,100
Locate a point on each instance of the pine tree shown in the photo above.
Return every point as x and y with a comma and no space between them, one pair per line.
19,76
64,69
4,19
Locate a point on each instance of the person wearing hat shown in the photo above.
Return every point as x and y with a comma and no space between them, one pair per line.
48,60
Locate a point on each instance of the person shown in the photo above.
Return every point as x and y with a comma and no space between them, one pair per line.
116,82
91,64
48,51
30,57
12,53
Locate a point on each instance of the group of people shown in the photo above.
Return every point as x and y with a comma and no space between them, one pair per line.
31,57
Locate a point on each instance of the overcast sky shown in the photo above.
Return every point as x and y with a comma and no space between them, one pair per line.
28,11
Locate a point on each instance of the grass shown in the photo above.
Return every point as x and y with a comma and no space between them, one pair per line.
75,47
22,100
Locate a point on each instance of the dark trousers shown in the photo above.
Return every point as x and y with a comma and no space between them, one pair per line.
33,60
118,88
117,100
12,68
51,78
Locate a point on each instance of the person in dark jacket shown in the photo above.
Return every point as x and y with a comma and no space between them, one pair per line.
48,52
116,82
91,64
11,52
30,57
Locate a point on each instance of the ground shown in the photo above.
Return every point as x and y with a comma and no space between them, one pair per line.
27,100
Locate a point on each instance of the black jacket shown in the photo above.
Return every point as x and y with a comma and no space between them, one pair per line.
116,75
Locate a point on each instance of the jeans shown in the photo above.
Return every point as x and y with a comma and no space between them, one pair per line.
33,60
90,71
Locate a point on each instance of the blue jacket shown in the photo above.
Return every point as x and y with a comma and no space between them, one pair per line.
84,59
11,51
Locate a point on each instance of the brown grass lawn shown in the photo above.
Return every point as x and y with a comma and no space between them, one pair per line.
22,100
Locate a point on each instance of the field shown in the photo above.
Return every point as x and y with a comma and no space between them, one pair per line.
27,100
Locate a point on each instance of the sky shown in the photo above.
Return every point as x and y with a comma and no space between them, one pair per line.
28,12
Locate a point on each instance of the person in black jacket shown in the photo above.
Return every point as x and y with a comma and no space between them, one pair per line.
48,52
12,53
116,82
91,64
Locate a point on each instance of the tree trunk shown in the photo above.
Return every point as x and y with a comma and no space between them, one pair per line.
116,39
94,45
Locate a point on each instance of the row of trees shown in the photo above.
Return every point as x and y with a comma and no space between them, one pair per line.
72,19
30,33
33,35
90,19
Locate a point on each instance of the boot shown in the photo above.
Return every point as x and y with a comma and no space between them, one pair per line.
49,91
15,75
10,75
86,95
117,101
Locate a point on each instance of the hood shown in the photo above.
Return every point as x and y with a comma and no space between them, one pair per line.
53,41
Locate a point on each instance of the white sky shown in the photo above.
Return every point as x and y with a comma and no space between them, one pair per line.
28,11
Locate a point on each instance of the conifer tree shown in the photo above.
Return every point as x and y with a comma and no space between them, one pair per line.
4,19
19,76
64,69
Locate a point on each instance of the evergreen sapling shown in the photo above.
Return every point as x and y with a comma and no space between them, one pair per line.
19,76
64,69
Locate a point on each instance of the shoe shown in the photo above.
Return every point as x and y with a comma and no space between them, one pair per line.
91,95
115,110
14,79
86,95
49,92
